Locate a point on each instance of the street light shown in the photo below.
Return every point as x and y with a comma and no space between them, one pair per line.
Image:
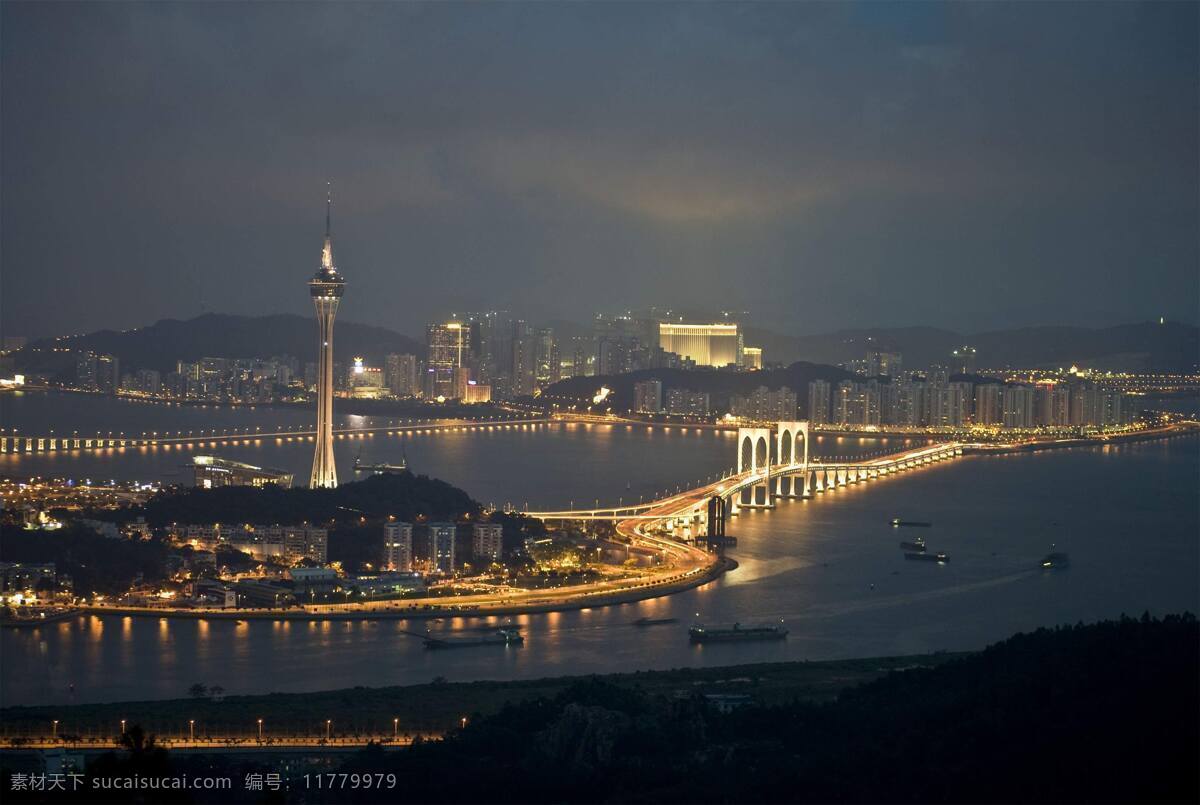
192,730
260,729
328,725
395,728
54,733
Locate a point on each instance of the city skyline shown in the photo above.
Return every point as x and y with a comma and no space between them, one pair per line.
1068,195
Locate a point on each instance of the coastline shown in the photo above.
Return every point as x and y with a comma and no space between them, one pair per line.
710,573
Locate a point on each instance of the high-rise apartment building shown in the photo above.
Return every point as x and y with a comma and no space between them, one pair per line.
397,546
856,403
819,396
400,375
1017,407
521,364
684,402
765,405
884,364
441,547
648,397
989,409
487,542
547,366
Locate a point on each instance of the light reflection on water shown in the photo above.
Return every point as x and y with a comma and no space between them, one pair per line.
829,566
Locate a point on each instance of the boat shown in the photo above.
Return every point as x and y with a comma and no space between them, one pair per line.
1056,561
897,523
737,633
654,621
917,545
940,558
381,469
501,637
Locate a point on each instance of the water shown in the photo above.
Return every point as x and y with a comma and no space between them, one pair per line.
1129,515
547,466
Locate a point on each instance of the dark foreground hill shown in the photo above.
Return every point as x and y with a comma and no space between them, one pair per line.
1107,712
219,335
1100,713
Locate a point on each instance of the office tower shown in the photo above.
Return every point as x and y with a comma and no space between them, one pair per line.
487,542
647,396
441,547
706,344
547,367
818,402
988,408
326,288
683,402
400,375
397,546
449,347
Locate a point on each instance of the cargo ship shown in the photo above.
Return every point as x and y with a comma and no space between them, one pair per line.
917,545
738,633
940,558
897,523
501,637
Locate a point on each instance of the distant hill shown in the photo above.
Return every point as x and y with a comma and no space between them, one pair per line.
720,386
217,335
1147,346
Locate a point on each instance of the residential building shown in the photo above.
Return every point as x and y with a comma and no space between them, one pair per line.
441,547
397,546
487,542
648,397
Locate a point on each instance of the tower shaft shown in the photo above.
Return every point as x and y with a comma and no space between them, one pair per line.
324,469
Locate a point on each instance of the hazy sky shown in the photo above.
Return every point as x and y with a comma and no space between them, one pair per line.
969,165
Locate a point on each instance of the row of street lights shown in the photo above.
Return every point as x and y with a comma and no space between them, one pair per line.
259,724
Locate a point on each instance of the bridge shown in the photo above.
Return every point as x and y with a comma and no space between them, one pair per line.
773,463
13,442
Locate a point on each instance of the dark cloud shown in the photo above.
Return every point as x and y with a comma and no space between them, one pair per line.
967,165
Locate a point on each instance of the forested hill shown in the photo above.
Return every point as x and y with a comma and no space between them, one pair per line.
1145,346
219,335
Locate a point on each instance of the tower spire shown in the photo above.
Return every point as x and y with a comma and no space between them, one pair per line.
327,251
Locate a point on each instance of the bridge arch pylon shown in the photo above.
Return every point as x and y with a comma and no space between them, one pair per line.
754,456
791,449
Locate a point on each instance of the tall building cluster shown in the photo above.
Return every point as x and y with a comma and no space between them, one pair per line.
933,400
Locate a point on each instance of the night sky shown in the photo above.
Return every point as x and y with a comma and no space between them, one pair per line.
968,166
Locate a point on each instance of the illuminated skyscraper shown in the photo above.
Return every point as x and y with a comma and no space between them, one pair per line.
326,288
